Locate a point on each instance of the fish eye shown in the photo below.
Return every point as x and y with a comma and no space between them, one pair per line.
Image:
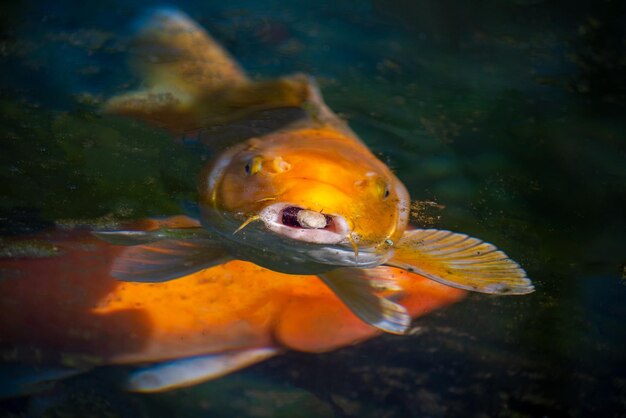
254,166
382,189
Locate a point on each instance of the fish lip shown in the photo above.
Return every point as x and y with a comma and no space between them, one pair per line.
272,217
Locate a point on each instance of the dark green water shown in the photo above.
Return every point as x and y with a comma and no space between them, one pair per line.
507,114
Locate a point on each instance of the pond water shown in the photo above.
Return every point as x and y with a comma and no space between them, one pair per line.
507,115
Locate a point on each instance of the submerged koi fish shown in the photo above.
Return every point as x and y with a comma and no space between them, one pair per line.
291,188
62,315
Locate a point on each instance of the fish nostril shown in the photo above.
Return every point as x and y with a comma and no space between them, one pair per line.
280,166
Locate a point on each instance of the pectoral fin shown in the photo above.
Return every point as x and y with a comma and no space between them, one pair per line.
166,260
189,371
357,289
460,261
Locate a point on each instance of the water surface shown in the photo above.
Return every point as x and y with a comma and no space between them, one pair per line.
507,115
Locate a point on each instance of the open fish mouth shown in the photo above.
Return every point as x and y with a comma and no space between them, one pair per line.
302,224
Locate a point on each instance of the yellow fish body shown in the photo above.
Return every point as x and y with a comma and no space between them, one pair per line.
290,188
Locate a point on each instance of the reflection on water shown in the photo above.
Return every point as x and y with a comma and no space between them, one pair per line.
505,115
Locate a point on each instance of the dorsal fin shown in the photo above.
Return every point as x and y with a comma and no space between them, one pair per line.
191,82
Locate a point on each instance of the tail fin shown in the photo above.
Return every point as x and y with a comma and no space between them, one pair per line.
172,50
191,82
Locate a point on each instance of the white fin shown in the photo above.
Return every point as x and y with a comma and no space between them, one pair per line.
167,260
190,371
460,261
146,237
356,288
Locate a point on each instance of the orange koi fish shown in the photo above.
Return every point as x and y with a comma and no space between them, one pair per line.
64,314
290,188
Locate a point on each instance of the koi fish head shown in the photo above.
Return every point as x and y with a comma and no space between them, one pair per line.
313,186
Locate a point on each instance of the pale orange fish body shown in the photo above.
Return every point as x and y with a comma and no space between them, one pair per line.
67,310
